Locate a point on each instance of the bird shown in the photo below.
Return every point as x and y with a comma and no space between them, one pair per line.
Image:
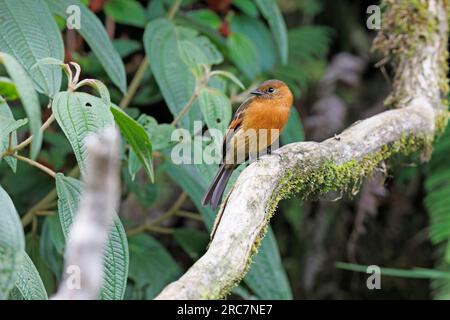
267,109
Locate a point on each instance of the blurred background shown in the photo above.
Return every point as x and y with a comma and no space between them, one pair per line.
331,70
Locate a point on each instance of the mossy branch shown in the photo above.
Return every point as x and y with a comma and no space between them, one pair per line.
339,163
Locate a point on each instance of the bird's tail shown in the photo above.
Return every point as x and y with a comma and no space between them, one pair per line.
214,194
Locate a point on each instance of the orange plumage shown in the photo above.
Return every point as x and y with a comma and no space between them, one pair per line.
267,111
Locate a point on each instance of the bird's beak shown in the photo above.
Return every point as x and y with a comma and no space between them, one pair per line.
257,92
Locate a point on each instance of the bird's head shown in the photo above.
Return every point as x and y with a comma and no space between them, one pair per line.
276,91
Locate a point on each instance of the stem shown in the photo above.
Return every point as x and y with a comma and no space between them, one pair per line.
134,85
172,211
148,227
185,108
41,205
26,142
36,164
190,215
173,9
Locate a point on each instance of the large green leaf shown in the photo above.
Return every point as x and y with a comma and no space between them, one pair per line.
29,285
266,276
174,78
8,89
92,30
137,137
79,114
260,38
216,108
175,53
129,12
244,54
7,131
151,266
29,33
293,131
115,274
12,244
272,13
28,97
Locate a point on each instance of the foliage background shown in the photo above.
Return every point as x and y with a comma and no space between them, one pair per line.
399,219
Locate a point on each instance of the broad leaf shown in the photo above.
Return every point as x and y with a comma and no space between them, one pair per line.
29,33
129,12
271,12
293,131
151,266
138,139
216,108
193,241
115,274
29,99
260,39
175,53
80,114
12,244
243,54
267,277
8,89
7,132
92,30
29,284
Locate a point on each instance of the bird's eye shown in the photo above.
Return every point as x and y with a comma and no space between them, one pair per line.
270,90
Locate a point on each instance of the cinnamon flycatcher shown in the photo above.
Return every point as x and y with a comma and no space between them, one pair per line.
265,114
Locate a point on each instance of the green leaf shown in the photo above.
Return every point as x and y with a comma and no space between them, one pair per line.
29,33
69,192
230,76
193,242
160,134
29,284
243,54
151,266
99,86
80,114
129,12
137,137
260,38
216,108
271,12
125,47
155,9
248,7
416,273
195,49
174,78
28,97
165,46
33,241
8,127
206,17
293,131
12,244
267,277
94,33
8,89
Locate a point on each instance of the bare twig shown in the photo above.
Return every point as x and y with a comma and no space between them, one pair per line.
88,234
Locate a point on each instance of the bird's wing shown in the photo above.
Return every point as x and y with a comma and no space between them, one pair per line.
235,125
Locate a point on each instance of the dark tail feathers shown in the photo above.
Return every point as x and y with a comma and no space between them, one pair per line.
214,194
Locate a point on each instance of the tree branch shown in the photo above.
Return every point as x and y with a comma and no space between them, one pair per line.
89,232
339,163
